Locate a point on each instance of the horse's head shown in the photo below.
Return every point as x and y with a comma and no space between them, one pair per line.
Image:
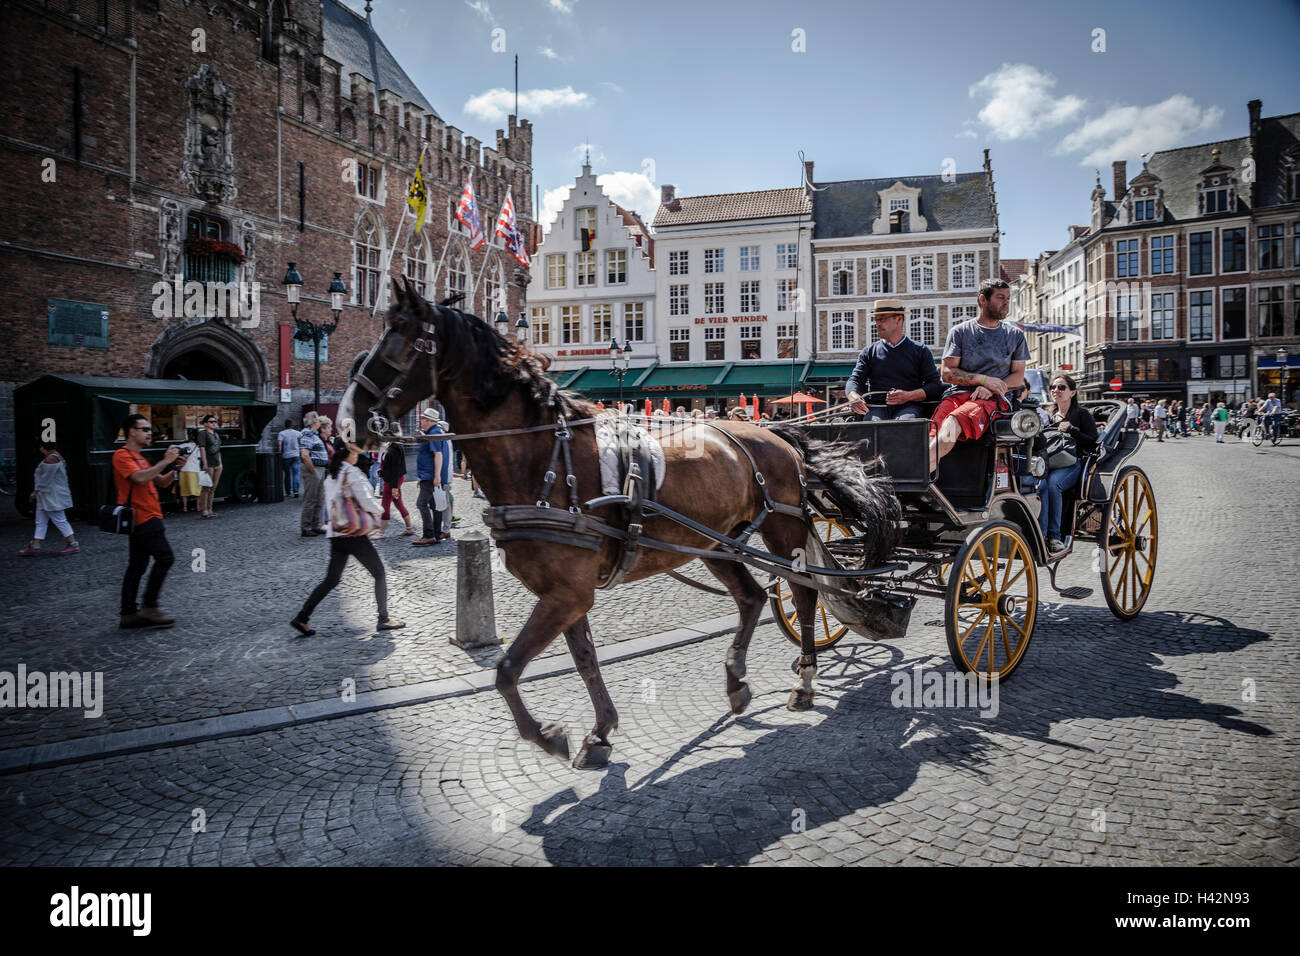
400,371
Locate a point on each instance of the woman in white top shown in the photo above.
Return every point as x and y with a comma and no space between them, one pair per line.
53,498
189,486
345,479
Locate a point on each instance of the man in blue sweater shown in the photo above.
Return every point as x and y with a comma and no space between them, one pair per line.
896,365
432,465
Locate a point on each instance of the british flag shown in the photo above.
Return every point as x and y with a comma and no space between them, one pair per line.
467,212
508,229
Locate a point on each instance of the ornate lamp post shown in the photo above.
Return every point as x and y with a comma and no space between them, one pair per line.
502,323
308,331
1282,356
621,358
521,328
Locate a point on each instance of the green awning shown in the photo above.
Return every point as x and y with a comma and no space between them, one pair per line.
765,379
831,372
598,383
161,391
667,378
566,378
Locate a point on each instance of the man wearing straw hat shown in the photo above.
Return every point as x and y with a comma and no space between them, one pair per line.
894,364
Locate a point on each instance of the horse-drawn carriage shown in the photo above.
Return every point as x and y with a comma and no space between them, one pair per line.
972,539
841,538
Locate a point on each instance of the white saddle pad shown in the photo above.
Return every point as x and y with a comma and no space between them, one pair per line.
607,444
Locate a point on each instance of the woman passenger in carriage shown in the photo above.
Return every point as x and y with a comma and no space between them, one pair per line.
1067,416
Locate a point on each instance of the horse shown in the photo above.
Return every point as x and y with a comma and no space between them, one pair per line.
487,382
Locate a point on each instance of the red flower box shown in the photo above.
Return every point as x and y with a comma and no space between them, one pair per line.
216,248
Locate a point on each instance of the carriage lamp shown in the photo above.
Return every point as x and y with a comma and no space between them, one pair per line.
1026,423
521,328
1037,466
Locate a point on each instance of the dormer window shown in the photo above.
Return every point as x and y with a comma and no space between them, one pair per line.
1216,200
896,221
1144,209
1217,190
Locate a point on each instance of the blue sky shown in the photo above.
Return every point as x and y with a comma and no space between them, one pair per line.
713,98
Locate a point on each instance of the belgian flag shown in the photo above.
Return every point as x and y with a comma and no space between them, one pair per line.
588,238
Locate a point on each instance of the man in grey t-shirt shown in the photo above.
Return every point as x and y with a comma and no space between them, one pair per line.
982,360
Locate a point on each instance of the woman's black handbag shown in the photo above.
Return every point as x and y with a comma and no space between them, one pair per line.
1059,449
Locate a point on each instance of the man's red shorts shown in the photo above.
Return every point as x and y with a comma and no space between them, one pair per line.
972,414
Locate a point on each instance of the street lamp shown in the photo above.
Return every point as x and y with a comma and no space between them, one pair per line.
1282,356
620,357
503,323
307,330
521,328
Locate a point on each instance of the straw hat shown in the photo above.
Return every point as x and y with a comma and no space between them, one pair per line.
885,307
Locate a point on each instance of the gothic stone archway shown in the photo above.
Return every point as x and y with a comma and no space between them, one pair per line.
213,346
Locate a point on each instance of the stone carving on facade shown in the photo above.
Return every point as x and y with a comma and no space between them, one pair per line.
208,167
249,268
170,237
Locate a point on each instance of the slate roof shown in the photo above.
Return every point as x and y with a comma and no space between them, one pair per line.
848,208
1180,169
351,40
725,207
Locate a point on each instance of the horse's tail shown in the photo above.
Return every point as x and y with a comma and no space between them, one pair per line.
857,484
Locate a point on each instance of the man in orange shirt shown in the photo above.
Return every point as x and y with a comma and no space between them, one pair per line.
137,484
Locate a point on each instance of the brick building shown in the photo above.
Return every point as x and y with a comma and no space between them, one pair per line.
1193,269
285,129
928,240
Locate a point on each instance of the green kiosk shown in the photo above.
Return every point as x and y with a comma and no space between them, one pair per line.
86,413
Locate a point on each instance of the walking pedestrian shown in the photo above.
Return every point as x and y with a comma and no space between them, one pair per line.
326,436
429,468
137,484
311,452
1160,414
1131,413
347,485
1205,419
290,462
1220,421
189,489
393,472
209,442
53,498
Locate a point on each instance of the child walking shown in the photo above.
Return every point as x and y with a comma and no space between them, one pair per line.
53,498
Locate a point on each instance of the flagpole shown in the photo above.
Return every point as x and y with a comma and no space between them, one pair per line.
438,267
487,256
392,247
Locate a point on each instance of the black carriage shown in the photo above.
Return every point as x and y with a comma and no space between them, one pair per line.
971,536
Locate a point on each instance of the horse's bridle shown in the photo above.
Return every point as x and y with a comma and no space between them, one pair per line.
382,422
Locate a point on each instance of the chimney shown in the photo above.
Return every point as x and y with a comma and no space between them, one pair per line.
1254,106
807,178
1119,170
667,195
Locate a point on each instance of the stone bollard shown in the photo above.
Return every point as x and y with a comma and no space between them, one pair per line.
476,619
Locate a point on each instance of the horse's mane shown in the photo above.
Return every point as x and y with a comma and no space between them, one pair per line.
493,365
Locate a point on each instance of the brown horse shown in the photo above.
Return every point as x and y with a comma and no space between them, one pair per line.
487,382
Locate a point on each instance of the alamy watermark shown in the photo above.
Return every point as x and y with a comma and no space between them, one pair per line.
922,688
226,300
38,689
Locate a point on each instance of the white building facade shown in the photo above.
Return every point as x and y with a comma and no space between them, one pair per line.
593,284
1066,303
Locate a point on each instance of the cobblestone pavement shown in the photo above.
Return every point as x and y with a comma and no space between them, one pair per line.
1170,739
232,650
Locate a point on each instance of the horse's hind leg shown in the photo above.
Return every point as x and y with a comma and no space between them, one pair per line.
596,747
805,604
548,619
748,595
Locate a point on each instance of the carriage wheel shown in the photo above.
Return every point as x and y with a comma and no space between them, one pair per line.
827,630
1128,558
245,488
992,601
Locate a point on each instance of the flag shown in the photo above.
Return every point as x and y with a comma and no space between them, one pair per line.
588,239
417,197
467,212
1047,327
508,229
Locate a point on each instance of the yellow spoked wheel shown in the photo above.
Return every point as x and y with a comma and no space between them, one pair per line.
1128,543
992,601
827,631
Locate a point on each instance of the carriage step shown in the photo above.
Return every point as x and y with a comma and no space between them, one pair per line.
1075,593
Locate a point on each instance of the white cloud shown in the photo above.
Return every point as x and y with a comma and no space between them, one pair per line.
633,191
579,154
547,52
1020,101
552,203
495,105
613,86
562,6
482,9
1124,131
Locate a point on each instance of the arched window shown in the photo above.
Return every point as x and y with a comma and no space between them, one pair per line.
457,273
368,243
417,264
493,284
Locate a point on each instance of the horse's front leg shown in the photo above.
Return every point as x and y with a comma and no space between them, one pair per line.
596,747
805,603
548,619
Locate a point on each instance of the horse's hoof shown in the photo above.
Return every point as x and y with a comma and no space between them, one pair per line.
592,756
800,699
554,742
740,699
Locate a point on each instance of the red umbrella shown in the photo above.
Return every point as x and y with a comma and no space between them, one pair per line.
799,398
744,404
755,415
667,407
649,409
600,405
